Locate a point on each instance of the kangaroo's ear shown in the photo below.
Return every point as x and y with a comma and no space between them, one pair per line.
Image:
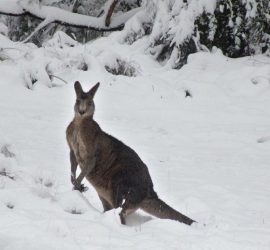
93,90
78,88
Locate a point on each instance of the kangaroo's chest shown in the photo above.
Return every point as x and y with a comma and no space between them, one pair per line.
79,147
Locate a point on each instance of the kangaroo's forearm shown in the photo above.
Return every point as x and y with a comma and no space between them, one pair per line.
86,170
74,165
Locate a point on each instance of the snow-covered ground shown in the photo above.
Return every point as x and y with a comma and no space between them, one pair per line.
208,154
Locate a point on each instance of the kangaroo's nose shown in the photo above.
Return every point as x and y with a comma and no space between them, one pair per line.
81,112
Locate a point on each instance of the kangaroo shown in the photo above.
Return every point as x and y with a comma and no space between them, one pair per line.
117,173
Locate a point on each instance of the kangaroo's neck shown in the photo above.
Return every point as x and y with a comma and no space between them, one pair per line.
78,119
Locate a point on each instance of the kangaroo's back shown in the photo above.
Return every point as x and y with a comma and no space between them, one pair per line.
115,170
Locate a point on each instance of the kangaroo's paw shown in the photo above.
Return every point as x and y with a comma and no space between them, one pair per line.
80,188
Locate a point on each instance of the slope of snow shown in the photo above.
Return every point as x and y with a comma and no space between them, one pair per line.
202,151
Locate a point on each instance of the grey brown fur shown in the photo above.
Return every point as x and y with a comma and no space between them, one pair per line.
115,170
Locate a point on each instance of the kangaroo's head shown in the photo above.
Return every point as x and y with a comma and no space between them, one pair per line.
84,106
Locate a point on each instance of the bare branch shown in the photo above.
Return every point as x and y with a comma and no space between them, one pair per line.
109,13
57,77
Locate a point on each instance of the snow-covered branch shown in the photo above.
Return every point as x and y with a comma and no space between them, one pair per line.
56,15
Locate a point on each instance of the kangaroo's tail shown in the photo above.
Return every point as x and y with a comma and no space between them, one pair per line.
160,209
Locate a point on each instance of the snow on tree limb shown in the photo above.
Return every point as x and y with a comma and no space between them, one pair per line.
56,15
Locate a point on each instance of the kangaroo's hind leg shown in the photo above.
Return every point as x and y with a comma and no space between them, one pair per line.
126,196
127,209
124,199
130,205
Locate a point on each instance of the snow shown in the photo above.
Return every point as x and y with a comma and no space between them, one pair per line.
202,151
3,29
10,6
